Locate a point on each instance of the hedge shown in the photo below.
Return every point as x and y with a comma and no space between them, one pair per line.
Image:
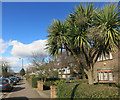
34,82
48,83
74,91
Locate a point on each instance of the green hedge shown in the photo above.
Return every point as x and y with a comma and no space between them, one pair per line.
34,82
69,90
51,81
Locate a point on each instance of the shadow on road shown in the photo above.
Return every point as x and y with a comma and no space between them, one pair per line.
16,98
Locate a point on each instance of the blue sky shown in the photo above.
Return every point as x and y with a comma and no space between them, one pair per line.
24,24
27,22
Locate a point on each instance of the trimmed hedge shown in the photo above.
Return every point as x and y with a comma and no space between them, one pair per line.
48,83
73,91
51,81
34,82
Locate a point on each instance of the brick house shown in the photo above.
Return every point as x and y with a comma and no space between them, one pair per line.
106,68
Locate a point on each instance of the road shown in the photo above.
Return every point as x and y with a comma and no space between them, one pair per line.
22,91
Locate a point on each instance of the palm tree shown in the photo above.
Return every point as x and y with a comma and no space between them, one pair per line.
108,19
88,33
78,24
56,37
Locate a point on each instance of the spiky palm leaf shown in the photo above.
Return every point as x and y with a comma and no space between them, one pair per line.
108,17
56,37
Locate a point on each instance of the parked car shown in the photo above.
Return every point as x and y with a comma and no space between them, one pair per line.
14,79
19,78
10,81
5,84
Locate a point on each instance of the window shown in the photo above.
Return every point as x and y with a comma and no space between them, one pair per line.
101,76
107,76
105,57
110,55
110,76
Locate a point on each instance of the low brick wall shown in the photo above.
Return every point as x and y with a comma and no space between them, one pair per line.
53,92
40,85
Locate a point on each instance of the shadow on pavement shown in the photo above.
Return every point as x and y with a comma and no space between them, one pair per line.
20,83
17,89
25,98
16,98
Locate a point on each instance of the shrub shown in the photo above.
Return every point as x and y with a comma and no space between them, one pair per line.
117,85
54,74
51,81
27,77
59,82
69,90
34,82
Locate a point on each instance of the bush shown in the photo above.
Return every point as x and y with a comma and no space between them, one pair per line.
34,82
55,74
69,90
27,77
51,81
117,85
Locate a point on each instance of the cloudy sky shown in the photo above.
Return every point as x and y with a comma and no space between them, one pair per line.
24,26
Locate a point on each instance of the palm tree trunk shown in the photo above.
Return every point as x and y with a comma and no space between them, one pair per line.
90,76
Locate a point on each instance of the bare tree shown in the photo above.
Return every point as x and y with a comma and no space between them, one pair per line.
42,66
4,68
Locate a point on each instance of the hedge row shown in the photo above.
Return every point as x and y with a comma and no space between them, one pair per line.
73,91
48,83
34,82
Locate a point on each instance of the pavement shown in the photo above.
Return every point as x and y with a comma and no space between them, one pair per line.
23,91
44,93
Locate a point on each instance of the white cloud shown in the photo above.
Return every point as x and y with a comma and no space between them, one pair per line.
15,63
3,46
25,50
20,50
12,61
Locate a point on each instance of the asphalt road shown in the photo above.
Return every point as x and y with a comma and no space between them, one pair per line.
22,91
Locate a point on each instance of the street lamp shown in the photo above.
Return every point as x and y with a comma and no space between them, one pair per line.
22,62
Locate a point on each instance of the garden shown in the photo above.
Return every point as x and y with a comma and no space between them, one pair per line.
76,89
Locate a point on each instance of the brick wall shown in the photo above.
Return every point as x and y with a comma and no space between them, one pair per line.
40,85
53,92
111,63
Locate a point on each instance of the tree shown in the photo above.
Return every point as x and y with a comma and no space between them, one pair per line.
56,37
43,69
5,67
22,72
90,33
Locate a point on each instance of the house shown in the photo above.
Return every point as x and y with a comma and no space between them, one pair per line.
64,72
106,68
70,71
